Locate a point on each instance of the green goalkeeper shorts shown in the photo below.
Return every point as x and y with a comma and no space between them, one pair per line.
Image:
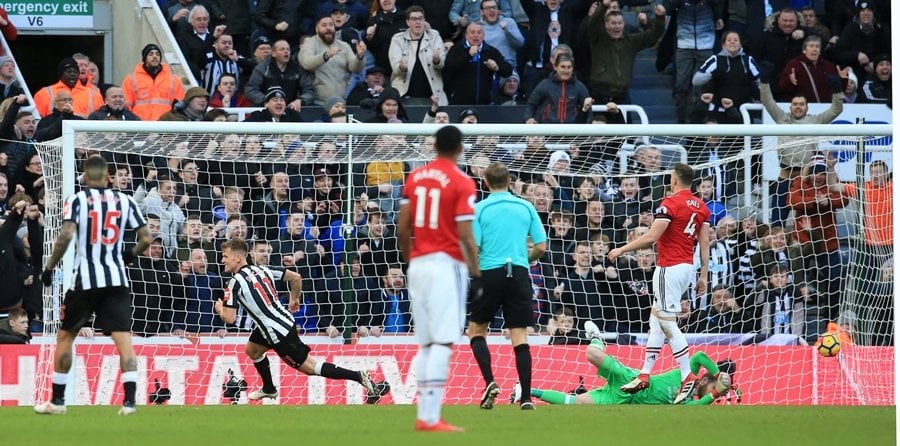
616,376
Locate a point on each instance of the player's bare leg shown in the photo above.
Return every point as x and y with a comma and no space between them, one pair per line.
62,362
128,363
477,342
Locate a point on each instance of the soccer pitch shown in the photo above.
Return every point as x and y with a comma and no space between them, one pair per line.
505,425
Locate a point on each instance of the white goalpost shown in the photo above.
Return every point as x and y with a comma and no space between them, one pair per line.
321,199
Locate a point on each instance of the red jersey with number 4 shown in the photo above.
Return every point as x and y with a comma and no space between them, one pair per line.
685,213
439,194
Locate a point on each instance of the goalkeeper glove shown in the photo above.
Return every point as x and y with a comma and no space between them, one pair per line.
723,384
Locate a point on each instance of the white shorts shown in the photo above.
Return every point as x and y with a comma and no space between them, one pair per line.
670,283
437,291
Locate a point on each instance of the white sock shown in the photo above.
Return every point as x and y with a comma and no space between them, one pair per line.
60,378
129,377
438,368
655,340
678,344
421,364
318,368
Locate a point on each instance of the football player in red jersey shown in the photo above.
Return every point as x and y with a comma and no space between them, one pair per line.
434,231
681,220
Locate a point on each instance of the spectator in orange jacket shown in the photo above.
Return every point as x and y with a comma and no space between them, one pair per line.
86,98
151,88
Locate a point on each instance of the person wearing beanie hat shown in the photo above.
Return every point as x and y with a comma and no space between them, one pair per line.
9,86
262,49
86,98
191,108
508,92
151,88
334,105
276,108
852,88
468,116
860,41
877,89
389,108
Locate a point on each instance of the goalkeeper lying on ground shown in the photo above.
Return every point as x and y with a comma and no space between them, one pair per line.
663,387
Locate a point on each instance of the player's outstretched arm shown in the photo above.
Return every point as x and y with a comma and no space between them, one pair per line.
645,241
701,359
143,242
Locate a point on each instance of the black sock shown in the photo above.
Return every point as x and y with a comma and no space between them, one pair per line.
523,366
332,371
482,357
262,367
59,394
130,387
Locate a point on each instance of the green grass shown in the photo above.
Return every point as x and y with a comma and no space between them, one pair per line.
392,425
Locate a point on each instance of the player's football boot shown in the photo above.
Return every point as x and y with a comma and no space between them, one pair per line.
440,426
490,394
127,410
592,332
257,395
639,383
516,395
687,389
526,405
366,381
381,388
48,408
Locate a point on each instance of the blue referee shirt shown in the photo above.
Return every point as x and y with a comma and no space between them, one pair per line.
502,225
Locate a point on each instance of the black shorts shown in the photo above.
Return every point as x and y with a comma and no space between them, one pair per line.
291,349
112,305
514,294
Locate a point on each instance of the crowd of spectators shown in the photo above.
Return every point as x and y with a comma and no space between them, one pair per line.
557,58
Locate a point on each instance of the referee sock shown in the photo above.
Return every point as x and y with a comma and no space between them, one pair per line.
59,388
553,397
130,385
483,358
332,371
523,366
262,367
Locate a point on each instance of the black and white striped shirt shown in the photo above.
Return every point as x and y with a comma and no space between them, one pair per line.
101,217
254,288
243,321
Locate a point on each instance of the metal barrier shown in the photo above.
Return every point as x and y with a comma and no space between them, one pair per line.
21,79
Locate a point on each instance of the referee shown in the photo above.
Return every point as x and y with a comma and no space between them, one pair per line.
503,223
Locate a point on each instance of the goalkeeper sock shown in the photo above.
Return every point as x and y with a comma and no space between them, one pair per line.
129,383
332,371
438,367
554,397
655,341
523,367
421,363
482,357
262,367
59,388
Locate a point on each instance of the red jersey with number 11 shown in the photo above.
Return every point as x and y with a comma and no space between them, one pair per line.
685,213
439,194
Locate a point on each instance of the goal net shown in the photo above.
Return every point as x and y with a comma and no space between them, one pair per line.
794,254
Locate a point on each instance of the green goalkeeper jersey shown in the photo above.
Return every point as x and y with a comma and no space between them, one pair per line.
665,386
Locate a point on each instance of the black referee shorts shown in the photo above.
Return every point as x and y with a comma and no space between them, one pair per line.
112,305
291,349
513,294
